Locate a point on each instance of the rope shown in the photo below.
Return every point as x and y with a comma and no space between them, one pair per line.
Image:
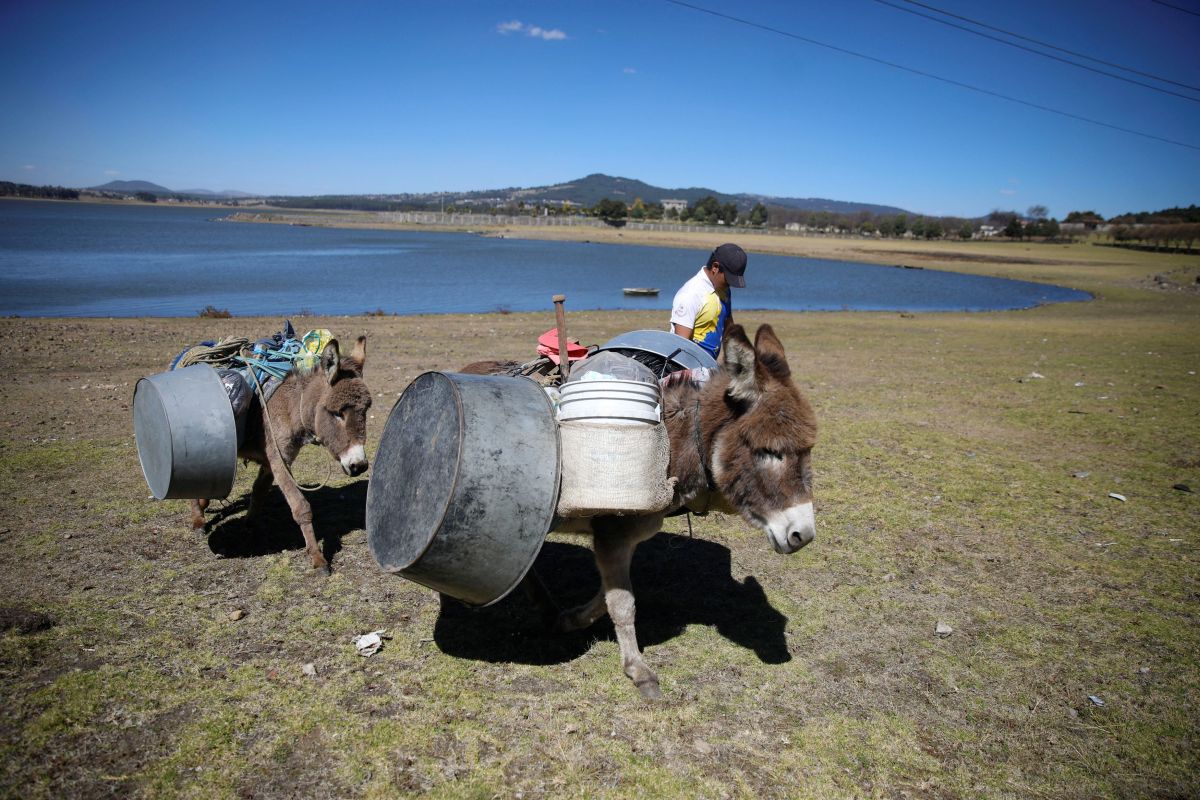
271,434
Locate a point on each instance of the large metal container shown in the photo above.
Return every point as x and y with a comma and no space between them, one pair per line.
464,484
662,351
186,433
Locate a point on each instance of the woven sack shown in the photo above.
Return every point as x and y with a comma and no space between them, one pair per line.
611,468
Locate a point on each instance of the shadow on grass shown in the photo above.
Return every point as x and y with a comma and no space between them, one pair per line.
337,510
677,581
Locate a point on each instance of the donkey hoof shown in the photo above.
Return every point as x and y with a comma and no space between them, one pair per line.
649,689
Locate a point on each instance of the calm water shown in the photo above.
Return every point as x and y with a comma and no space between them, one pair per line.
66,259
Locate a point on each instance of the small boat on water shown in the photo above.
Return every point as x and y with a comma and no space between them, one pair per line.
640,291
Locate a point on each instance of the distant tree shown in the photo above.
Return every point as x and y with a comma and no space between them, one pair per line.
966,231
654,210
933,229
638,209
671,213
728,213
707,211
146,197
918,227
758,215
900,225
1037,212
1014,229
1001,219
611,211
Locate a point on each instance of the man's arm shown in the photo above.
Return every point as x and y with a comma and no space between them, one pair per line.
683,331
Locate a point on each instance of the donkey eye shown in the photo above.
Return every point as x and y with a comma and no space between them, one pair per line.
769,454
337,414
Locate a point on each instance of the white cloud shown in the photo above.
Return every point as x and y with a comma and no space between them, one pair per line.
1008,191
112,172
629,71
516,26
29,168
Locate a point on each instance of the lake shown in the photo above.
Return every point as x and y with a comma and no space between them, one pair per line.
87,259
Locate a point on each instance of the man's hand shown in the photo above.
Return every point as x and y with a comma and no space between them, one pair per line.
682,331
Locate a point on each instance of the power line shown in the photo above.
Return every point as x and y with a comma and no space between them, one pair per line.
924,74
1043,44
1177,8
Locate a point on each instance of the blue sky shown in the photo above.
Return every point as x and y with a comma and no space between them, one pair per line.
384,97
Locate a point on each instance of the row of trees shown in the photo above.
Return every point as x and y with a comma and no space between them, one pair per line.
9,189
707,211
1160,237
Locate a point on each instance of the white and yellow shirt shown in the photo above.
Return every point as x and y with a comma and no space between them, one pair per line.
698,306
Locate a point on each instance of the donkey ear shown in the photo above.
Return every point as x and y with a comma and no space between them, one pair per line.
772,362
738,361
359,356
330,357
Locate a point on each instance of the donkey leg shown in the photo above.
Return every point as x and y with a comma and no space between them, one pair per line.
613,555
579,617
198,507
301,510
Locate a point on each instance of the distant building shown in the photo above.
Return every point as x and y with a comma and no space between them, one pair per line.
678,205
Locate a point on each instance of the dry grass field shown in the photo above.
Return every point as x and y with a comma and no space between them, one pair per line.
140,658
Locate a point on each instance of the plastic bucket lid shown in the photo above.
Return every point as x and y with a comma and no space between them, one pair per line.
609,405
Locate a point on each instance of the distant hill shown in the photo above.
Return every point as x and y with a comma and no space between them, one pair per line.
131,186
585,191
591,189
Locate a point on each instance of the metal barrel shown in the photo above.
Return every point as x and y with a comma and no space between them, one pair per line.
186,433
464,484
682,353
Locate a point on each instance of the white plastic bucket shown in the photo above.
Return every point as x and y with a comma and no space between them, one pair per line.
616,401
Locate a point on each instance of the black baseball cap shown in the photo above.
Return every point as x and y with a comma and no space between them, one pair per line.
733,263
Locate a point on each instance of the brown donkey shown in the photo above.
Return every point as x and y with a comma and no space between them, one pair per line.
327,406
741,442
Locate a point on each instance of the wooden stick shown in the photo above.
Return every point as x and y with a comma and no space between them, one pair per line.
560,318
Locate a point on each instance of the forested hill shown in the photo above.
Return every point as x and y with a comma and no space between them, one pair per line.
589,190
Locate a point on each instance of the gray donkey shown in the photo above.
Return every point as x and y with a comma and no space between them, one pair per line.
327,406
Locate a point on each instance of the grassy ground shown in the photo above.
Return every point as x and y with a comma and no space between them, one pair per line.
951,486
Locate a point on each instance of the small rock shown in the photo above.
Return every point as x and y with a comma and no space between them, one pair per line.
1080,383
234,616
1182,487
1080,474
942,629
1116,496
310,670
1144,670
1096,701
702,747
572,728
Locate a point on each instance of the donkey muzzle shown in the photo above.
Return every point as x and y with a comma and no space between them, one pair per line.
791,528
354,460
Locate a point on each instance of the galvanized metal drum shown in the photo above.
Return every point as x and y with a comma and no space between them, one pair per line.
662,351
186,433
464,484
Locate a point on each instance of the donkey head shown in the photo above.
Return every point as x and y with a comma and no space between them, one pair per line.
762,458
340,418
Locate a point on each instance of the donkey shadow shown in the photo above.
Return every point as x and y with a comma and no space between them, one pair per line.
337,510
678,581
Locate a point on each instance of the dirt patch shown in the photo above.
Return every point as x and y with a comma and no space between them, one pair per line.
24,620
